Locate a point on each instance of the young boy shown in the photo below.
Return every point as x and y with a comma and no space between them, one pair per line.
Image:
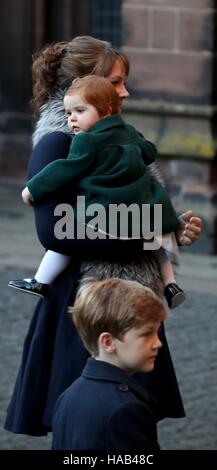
107,164
106,408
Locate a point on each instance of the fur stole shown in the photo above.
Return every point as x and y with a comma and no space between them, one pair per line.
144,270
52,119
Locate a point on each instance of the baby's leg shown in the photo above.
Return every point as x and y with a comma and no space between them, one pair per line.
51,266
165,266
173,293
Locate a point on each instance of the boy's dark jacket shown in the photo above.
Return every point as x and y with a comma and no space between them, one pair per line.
107,410
109,166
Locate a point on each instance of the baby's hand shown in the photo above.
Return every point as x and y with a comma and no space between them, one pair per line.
26,196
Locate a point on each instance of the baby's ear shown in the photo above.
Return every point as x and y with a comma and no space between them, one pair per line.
107,342
109,110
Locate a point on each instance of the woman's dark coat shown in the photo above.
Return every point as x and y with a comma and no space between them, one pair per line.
53,354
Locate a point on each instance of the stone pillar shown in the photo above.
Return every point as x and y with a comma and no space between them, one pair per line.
17,38
26,26
172,49
65,19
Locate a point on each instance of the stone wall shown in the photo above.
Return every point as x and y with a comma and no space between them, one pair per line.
170,44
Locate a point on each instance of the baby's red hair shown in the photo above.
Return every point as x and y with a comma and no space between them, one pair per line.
97,91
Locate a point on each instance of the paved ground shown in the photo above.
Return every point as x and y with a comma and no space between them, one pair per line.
191,331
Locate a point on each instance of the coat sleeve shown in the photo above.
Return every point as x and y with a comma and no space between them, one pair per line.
48,149
62,171
149,150
132,427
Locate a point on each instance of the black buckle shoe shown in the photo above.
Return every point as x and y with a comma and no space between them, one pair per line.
31,286
174,295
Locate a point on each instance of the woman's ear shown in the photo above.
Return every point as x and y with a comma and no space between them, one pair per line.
106,341
75,80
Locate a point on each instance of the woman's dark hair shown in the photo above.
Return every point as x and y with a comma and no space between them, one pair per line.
58,64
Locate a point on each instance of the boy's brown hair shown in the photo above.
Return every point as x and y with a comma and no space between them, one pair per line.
97,91
115,306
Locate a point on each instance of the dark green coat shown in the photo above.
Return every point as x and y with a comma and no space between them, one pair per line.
108,165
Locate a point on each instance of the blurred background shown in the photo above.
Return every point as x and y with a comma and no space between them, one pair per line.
172,46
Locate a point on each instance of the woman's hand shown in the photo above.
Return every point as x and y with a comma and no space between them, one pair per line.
190,228
26,196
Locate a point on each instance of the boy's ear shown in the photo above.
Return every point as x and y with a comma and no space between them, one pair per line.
107,342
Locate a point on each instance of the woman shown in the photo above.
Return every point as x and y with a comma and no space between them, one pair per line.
46,368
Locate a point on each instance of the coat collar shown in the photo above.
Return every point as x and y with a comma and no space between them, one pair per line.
115,120
100,370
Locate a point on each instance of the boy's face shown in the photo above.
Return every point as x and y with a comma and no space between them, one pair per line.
81,115
138,349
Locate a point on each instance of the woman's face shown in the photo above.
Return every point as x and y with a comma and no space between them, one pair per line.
118,78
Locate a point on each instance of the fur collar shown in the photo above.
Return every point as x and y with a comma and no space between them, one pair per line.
52,118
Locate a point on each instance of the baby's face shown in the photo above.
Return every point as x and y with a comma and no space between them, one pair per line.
81,115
